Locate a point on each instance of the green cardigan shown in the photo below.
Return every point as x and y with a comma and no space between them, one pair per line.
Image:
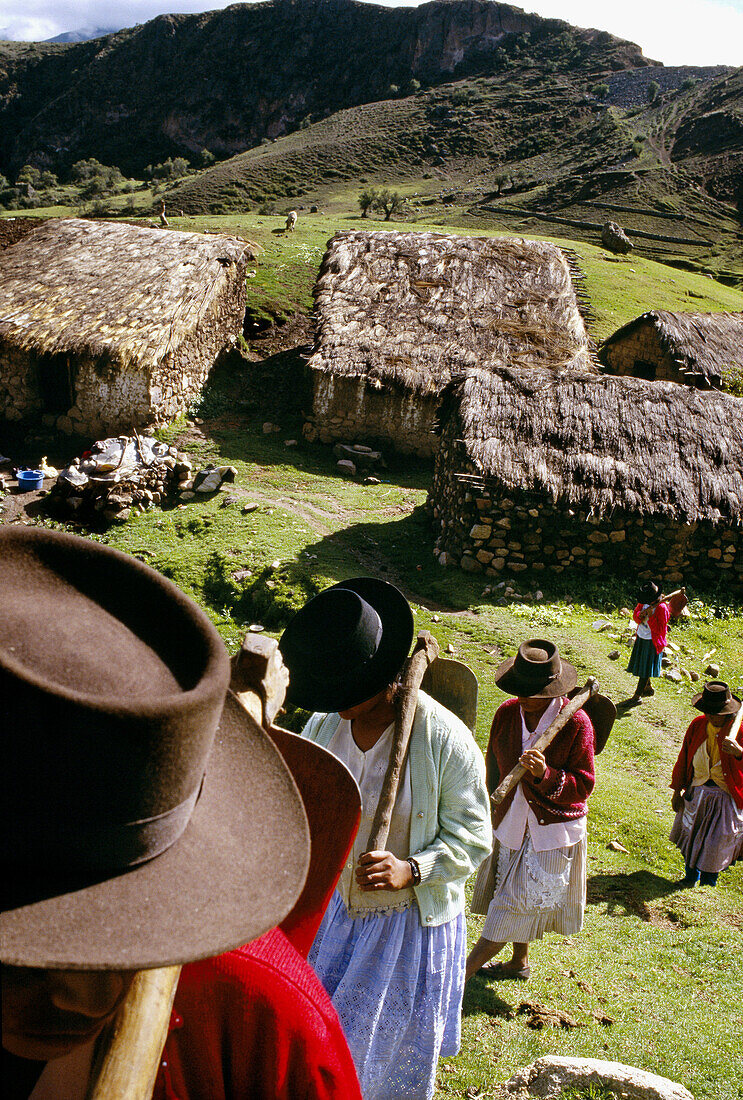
450,831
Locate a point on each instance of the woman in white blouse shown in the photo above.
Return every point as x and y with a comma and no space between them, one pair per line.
391,948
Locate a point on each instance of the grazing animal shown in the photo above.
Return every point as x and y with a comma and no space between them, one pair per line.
163,220
291,221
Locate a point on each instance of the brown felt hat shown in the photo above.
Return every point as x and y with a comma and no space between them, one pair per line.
716,699
147,820
536,672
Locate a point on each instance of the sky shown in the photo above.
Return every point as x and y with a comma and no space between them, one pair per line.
676,32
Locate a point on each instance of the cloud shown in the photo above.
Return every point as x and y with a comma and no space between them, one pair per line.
676,32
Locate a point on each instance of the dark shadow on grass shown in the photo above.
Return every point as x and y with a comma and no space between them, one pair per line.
629,894
480,996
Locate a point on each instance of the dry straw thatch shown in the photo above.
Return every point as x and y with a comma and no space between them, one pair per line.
604,443
700,344
114,290
410,310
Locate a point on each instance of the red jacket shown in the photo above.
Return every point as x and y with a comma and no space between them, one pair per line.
658,623
732,769
255,1024
562,792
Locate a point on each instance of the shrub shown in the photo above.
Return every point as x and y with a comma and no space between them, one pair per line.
601,91
653,91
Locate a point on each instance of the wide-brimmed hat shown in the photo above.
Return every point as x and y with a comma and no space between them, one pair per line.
716,699
649,592
536,672
347,644
147,819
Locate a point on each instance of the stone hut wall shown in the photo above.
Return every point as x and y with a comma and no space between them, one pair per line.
110,397
350,410
641,344
484,529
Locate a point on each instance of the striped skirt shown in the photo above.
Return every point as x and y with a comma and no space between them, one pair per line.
708,830
532,892
644,661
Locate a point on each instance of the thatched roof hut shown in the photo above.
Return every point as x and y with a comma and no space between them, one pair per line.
597,471
118,322
695,348
399,314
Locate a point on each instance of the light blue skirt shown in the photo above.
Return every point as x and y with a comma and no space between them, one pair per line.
397,988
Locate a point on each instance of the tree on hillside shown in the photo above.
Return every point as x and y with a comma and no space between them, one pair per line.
653,90
388,202
207,158
368,200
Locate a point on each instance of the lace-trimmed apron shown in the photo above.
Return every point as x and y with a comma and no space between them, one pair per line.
396,986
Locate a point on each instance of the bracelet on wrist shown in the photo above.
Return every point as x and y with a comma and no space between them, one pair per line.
416,871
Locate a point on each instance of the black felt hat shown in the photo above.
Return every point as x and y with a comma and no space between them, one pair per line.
716,699
347,644
147,820
536,672
649,592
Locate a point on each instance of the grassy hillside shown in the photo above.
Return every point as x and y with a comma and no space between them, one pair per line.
518,149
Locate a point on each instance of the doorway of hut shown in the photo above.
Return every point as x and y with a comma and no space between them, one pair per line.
55,377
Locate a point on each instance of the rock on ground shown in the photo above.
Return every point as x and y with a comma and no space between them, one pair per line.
549,1076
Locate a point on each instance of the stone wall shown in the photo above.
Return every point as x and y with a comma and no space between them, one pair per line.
485,529
642,343
350,410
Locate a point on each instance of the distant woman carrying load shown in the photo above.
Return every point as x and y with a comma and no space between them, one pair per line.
650,640
707,782
391,948
535,880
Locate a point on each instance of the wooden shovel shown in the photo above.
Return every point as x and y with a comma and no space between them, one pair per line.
730,744
426,650
518,772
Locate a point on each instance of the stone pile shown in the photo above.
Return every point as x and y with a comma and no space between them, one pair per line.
356,458
117,476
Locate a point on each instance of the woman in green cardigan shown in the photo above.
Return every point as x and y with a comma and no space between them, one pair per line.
391,948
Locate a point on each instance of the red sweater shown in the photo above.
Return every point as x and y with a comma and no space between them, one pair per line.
732,769
562,792
255,1024
658,623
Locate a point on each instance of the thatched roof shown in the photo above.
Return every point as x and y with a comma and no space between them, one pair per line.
117,290
701,344
605,443
410,310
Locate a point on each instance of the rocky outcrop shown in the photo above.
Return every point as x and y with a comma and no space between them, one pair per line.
615,239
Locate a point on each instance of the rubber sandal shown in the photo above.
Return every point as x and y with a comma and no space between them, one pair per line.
502,973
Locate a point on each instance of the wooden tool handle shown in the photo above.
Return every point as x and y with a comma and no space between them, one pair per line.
661,599
731,744
126,1066
426,651
518,772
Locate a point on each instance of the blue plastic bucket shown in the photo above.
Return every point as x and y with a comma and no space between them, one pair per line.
29,480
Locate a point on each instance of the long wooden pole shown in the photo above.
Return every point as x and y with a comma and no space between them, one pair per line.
127,1065
518,772
425,652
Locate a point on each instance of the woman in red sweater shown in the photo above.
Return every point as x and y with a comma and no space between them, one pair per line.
707,782
650,640
535,879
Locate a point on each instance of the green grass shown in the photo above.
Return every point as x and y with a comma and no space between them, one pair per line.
665,966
